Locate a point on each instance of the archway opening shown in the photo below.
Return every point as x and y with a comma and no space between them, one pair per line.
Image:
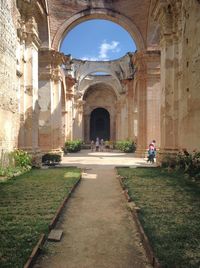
100,124
100,39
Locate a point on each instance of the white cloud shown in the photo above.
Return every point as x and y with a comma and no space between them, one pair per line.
104,50
106,47
90,58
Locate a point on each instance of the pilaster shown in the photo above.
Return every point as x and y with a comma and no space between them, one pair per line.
29,109
50,88
168,16
140,80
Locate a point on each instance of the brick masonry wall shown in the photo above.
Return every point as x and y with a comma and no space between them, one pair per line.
9,118
190,88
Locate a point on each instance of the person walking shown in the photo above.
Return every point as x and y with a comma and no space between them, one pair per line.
92,146
101,145
97,144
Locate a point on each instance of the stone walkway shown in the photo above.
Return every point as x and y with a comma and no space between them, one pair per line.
98,229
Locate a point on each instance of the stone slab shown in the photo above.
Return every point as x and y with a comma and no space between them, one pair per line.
55,235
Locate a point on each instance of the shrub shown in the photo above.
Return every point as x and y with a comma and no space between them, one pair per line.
192,166
184,161
21,158
17,162
169,161
51,159
72,146
125,146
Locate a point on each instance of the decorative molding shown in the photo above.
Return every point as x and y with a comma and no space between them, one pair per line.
28,32
167,14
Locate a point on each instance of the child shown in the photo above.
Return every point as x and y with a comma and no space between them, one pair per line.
151,153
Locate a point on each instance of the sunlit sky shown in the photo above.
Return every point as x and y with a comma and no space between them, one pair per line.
97,40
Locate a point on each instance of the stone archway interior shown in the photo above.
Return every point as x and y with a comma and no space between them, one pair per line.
100,124
100,108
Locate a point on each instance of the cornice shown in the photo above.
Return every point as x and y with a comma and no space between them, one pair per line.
28,32
53,57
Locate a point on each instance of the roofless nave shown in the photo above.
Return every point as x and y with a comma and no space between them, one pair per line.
151,94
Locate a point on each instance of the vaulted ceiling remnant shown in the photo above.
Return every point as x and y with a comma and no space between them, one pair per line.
118,71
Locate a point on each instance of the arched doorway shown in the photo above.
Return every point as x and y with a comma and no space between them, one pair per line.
100,124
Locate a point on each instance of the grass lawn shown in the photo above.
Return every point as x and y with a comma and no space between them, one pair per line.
170,214
27,205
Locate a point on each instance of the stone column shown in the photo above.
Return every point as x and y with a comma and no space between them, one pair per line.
70,83
135,111
118,120
112,126
129,107
122,112
56,115
21,70
140,80
167,15
50,118
153,96
78,122
30,109
87,127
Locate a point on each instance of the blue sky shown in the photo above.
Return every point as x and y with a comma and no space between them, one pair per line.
97,40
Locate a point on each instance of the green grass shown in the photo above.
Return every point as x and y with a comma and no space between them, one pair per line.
27,205
170,214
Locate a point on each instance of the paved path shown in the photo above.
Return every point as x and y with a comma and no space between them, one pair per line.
98,229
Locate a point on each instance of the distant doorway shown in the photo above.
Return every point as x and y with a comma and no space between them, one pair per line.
100,124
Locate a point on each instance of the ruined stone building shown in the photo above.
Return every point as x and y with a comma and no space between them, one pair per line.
47,97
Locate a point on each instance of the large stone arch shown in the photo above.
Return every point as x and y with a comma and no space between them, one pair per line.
117,88
99,13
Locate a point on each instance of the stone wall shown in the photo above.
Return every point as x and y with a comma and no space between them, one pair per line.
9,117
180,82
189,115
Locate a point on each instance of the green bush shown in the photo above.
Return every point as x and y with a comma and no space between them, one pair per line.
125,146
72,146
184,161
51,159
21,158
192,164
169,161
18,162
